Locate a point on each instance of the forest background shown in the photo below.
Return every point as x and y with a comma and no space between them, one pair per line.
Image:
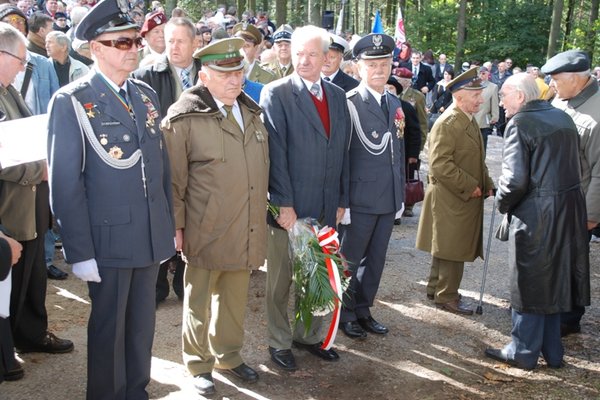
527,31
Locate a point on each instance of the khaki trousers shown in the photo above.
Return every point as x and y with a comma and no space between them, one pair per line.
214,306
279,280
444,279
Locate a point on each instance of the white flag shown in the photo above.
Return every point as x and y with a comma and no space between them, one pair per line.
400,33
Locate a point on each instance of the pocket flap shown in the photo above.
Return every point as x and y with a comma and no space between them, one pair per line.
112,216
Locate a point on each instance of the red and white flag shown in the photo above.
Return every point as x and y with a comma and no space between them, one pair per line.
400,33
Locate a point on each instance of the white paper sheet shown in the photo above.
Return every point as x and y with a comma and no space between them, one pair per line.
23,140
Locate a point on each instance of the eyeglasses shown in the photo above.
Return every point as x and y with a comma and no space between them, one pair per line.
122,43
14,19
23,61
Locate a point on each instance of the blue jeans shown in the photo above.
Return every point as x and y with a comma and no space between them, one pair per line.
532,335
49,241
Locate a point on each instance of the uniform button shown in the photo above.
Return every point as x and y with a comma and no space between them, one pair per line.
35,235
251,187
251,230
105,221
25,182
33,188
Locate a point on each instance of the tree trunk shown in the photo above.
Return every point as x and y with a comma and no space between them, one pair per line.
314,12
367,19
169,6
280,12
568,23
461,32
555,27
591,34
252,6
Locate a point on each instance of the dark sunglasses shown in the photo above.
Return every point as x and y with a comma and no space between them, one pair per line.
122,43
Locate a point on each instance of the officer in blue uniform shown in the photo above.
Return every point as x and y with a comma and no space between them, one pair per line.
111,194
376,181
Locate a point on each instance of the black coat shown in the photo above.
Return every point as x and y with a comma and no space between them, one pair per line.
412,131
345,81
159,76
423,78
438,74
540,191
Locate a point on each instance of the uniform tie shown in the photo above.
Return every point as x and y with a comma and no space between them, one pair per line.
283,70
231,117
315,89
185,79
123,95
384,107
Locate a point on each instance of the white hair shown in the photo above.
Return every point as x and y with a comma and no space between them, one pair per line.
310,32
524,83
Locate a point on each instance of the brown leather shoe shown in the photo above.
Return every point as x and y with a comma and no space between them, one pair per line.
455,307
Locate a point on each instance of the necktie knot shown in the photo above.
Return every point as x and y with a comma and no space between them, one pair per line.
315,89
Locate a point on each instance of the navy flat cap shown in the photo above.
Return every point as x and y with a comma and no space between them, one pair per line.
567,61
105,16
374,45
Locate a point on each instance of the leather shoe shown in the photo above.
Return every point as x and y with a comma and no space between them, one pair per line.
204,384
55,273
397,221
316,350
373,326
14,374
455,307
243,372
283,358
49,344
353,330
569,329
498,355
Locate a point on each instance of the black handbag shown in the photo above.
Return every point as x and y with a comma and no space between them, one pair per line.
414,191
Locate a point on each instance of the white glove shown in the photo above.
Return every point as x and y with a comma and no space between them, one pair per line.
399,213
346,218
87,270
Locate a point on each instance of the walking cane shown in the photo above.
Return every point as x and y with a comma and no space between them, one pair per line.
486,261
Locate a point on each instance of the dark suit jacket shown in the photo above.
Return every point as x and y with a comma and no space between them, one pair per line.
123,218
345,81
376,181
424,78
160,78
308,171
438,75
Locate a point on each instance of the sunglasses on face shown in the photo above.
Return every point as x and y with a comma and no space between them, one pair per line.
122,43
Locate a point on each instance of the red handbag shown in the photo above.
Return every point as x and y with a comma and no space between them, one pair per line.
414,192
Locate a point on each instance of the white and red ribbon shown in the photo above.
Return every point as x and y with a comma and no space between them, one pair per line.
329,242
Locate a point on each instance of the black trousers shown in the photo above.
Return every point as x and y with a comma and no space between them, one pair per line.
28,316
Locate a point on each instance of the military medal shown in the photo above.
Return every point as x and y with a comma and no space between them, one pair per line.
375,134
103,139
400,123
152,114
259,136
116,152
126,137
89,110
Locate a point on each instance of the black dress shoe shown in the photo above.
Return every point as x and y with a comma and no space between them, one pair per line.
50,344
373,326
569,329
353,330
243,372
283,358
316,350
14,374
204,384
55,273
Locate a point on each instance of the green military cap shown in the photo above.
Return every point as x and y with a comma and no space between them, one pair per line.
247,32
222,55
468,80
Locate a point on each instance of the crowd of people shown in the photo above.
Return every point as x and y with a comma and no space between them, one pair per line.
167,138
